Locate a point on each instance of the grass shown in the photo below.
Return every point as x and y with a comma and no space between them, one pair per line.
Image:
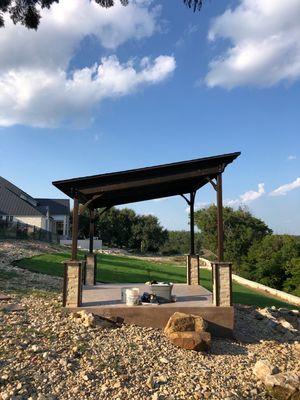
122,269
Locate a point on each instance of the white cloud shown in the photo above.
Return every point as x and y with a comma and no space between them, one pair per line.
161,199
284,189
248,197
291,157
265,47
37,86
198,206
45,98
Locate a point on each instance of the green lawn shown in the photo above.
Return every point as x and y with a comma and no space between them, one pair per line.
125,269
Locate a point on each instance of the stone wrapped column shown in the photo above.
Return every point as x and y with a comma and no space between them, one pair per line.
90,269
222,283
72,293
192,269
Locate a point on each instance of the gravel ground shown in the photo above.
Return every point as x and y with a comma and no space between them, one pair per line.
46,355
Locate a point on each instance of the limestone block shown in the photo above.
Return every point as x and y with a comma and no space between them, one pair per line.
90,269
193,272
73,284
198,341
181,322
284,386
263,368
222,284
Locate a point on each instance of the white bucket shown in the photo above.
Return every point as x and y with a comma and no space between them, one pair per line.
123,294
132,296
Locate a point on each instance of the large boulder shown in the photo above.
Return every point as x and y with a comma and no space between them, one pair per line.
188,332
280,385
198,341
181,322
284,386
264,368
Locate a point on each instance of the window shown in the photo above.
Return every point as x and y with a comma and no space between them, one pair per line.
59,227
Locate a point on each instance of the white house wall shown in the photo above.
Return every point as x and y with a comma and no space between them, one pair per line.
39,222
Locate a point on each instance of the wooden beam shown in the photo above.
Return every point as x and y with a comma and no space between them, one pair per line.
213,184
75,227
89,203
220,219
150,181
186,199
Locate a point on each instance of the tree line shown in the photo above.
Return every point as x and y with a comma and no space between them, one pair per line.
124,228
256,252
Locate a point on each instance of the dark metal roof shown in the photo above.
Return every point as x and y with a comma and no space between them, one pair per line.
14,201
148,183
55,206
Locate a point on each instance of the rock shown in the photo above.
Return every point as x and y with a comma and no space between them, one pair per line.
191,340
156,396
258,315
85,363
162,379
188,332
35,348
84,318
89,320
150,381
181,322
164,360
283,386
263,368
286,324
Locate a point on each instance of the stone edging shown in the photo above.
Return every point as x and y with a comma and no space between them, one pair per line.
289,298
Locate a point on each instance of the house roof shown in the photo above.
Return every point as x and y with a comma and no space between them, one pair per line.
14,201
55,206
107,190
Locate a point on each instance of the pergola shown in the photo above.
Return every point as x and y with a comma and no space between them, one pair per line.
181,178
111,189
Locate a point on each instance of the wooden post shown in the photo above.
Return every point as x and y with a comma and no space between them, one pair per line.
92,230
220,218
75,228
192,223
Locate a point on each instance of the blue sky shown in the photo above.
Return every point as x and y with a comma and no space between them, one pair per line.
155,83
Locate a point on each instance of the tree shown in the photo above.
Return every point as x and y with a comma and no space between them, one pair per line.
292,284
241,230
26,12
114,227
125,229
274,261
178,242
147,234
